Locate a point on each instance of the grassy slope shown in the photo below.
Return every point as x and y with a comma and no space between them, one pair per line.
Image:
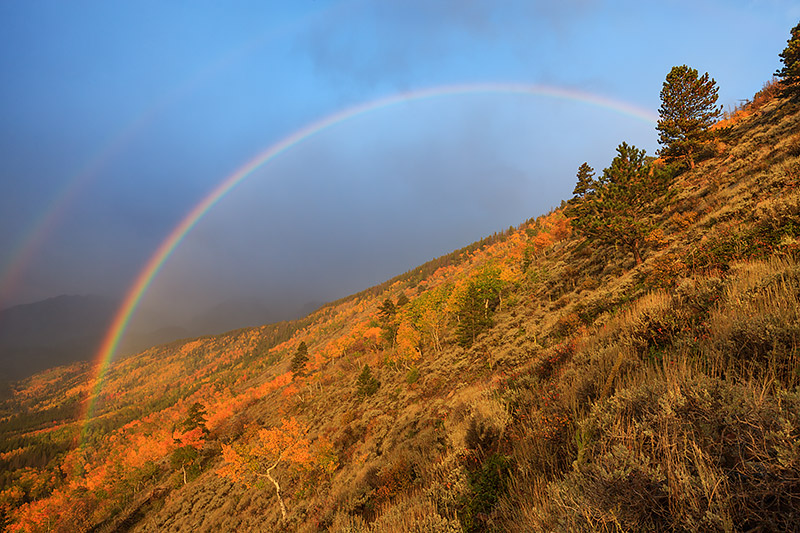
607,396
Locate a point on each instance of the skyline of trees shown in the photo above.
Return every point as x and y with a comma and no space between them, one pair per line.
790,57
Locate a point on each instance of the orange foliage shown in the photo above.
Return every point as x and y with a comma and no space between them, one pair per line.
287,442
542,241
284,443
289,391
194,438
372,335
190,347
280,381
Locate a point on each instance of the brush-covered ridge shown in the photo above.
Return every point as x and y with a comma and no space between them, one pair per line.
535,381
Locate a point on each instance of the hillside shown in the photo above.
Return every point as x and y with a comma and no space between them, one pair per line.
535,381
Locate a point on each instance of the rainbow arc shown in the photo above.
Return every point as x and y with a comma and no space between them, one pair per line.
147,274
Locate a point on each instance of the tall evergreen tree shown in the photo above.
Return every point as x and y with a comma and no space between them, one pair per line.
628,191
195,418
366,384
586,183
402,300
387,312
688,109
790,57
300,359
477,304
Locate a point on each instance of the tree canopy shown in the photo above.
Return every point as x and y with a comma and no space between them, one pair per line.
613,209
586,181
366,384
688,109
195,418
790,57
300,359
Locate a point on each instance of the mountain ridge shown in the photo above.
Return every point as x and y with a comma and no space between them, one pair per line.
535,380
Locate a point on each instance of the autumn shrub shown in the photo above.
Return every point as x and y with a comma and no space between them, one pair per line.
395,478
778,220
588,309
414,514
651,324
447,485
716,252
481,437
553,358
361,501
567,324
488,483
683,218
664,272
589,284
698,296
755,329
776,223
692,454
541,428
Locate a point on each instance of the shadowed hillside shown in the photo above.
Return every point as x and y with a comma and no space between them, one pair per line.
539,380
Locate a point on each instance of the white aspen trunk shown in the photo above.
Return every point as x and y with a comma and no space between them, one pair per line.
277,489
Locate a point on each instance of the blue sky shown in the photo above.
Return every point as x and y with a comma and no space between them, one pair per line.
121,116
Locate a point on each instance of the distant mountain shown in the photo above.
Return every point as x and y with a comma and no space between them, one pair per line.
67,329
52,332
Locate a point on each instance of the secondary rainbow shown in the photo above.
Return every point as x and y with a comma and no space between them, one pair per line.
156,261
43,226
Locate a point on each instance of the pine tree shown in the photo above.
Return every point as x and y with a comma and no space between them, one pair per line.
387,312
195,418
586,183
688,109
790,57
366,384
402,300
477,305
300,359
616,212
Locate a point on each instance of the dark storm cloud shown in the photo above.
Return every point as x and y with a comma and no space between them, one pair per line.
417,36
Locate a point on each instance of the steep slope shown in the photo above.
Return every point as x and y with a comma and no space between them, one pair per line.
534,381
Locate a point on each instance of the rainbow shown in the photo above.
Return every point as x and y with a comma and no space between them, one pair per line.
56,209
156,261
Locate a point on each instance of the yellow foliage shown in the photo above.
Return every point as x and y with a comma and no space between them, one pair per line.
407,342
190,347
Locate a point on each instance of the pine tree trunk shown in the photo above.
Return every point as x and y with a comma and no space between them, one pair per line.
637,255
